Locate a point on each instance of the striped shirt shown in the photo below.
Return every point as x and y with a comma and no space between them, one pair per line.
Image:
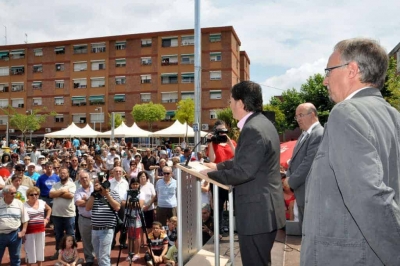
11,216
36,218
102,215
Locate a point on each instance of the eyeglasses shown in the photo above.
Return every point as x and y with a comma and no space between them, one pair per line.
56,167
12,193
74,160
83,164
166,173
329,69
33,195
297,117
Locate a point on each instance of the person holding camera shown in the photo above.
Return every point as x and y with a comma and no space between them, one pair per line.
220,148
103,203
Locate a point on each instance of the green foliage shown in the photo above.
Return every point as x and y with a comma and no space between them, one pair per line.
27,122
290,99
117,119
185,111
226,115
280,119
391,90
149,113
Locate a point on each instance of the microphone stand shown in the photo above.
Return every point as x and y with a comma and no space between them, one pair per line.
186,164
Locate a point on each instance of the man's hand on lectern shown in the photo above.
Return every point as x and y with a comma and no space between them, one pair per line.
205,171
211,165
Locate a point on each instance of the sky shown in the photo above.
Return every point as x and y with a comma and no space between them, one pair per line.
287,40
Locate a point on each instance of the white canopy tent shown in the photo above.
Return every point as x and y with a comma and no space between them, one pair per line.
120,132
87,132
71,131
137,132
177,130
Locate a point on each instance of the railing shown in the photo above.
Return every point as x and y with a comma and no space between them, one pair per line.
80,51
169,63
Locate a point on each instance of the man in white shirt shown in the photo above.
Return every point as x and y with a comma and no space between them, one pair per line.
110,158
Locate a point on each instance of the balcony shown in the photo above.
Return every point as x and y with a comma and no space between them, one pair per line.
80,86
4,89
78,103
144,81
169,101
17,88
17,71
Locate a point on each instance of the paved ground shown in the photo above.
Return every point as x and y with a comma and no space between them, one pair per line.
282,255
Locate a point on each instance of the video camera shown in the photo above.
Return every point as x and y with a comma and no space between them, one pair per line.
133,194
217,138
104,183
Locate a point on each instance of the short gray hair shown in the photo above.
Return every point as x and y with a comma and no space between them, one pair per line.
7,188
206,207
370,57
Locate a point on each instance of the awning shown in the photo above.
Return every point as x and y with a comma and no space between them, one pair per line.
169,74
215,53
119,97
96,98
58,49
3,54
170,113
78,98
187,75
17,52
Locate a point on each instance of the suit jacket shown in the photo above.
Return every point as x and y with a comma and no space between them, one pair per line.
352,214
254,171
301,161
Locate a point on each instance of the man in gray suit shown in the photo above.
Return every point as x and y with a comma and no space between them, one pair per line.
304,152
254,171
352,214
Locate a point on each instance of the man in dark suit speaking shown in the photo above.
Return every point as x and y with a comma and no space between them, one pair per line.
304,152
254,171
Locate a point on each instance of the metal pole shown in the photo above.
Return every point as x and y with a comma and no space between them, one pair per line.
216,225
231,229
7,134
112,127
180,218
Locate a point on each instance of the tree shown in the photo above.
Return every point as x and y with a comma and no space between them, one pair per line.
226,115
148,112
27,122
185,112
288,103
391,90
117,119
280,119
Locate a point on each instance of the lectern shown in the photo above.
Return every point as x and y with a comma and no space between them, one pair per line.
189,213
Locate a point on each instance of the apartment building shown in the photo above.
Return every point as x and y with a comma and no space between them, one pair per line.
84,80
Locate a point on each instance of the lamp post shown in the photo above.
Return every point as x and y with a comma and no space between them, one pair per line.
101,112
30,130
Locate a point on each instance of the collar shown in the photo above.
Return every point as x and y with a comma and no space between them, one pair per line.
312,127
354,92
242,121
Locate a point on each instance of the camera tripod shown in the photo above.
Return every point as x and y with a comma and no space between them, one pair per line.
132,204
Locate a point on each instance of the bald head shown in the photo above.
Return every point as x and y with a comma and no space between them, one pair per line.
306,115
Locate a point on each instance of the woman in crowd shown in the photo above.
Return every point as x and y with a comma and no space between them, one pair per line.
175,162
138,162
99,163
149,193
289,197
35,232
133,170
5,159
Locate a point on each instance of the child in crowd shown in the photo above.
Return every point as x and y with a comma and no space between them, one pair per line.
170,230
135,224
159,245
69,253
171,258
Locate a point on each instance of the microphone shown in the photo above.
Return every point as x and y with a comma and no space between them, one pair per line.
186,164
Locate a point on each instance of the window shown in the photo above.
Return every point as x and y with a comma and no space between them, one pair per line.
37,68
4,87
36,85
215,75
37,101
59,50
216,37
4,71
187,40
169,97
187,77
98,47
169,42
187,59
215,56
97,82
97,118
17,86
167,60
17,103
169,115
17,70
214,95
4,55
80,49
145,79
96,99
3,103
38,52
80,83
169,78
120,80
3,118
59,67
17,54
120,62
120,45
59,84
213,114
146,61
187,95
119,98
78,100
80,66
98,65
79,118
146,42
145,97
59,118
58,100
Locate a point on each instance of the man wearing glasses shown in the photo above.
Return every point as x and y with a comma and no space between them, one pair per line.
166,196
12,215
352,214
304,152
